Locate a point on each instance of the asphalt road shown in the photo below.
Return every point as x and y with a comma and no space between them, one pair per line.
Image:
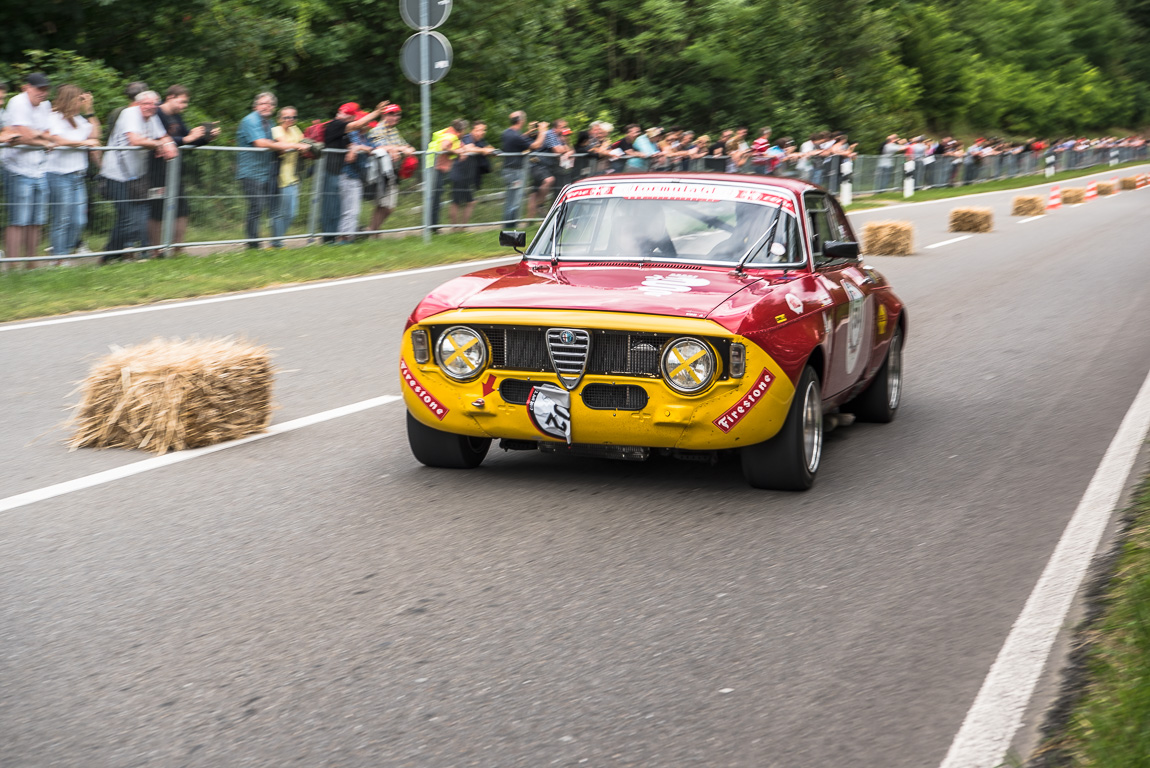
318,598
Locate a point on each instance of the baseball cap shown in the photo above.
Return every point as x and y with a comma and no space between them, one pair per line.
38,80
392,109
351,108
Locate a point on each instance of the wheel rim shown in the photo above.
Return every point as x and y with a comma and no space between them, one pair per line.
812,426
894,371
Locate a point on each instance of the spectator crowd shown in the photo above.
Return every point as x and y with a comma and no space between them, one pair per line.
55,151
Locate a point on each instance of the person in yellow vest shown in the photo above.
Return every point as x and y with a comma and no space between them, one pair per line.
442,152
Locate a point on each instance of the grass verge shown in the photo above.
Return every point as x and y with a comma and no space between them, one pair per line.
41,292
1105,722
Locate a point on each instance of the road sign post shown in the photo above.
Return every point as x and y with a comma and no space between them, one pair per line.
425,59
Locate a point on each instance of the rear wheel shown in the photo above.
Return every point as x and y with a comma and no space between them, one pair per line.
790,460
436,448
878,403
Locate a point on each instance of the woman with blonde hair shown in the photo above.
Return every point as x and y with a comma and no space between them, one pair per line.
72,127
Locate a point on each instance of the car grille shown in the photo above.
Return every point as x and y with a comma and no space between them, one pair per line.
614,397
619,353
568,349
601,397
515,391
611,353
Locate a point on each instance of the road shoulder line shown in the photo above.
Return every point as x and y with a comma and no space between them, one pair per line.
156,462
997,711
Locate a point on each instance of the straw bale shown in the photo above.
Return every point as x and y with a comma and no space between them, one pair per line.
1074,195
888,238
971,220
1028,205
1129,182
1105,188
174,394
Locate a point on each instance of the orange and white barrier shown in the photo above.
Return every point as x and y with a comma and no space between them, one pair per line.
1054,202
1091,191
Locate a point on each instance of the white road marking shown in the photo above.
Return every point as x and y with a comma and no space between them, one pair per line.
1029,219
128,470
990,725
249,294
952,240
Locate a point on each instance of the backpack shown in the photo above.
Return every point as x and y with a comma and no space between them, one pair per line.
315,131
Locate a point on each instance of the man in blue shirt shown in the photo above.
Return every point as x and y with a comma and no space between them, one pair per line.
513,144
256,171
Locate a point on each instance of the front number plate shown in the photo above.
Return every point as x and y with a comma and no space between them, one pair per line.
550,411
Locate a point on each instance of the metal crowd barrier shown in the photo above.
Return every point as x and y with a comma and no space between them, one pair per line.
196,201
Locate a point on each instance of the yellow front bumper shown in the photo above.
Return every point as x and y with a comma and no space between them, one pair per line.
729,414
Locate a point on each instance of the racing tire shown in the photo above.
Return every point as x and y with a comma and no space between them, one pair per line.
878,403
790,460
445,450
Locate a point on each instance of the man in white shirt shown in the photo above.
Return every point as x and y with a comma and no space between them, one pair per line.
127,170
28,115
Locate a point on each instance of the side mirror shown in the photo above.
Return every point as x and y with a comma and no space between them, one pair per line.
513,238
841,249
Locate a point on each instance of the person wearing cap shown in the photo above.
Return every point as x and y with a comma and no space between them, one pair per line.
29,116
385,137
337,135
257,171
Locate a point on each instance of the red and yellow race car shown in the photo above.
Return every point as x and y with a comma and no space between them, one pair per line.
676,313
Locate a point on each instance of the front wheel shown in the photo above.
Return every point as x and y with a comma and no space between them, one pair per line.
436,448
790,460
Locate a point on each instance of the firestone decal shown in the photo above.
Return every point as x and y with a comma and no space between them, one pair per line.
425,397
735,414
664,285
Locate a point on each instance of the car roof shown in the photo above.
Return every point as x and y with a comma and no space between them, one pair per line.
797,186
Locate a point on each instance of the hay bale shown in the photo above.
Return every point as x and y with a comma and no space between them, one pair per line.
888,238
1105,188
971,220
1074,196
171,394
1028,205
1129,182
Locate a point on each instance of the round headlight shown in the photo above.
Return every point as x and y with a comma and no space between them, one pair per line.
461,353
688,365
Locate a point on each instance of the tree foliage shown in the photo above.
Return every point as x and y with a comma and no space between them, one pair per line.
866,66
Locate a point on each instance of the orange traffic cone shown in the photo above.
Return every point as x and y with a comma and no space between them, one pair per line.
1055,200
1091,191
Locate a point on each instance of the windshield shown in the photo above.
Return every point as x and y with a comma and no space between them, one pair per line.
619,223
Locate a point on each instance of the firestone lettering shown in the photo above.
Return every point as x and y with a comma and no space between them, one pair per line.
728,420
422,394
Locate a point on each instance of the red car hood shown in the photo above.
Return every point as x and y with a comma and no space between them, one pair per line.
659,290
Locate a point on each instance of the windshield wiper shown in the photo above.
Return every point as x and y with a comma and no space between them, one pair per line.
768,237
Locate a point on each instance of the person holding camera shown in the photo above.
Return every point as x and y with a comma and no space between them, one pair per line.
171,115
513,144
